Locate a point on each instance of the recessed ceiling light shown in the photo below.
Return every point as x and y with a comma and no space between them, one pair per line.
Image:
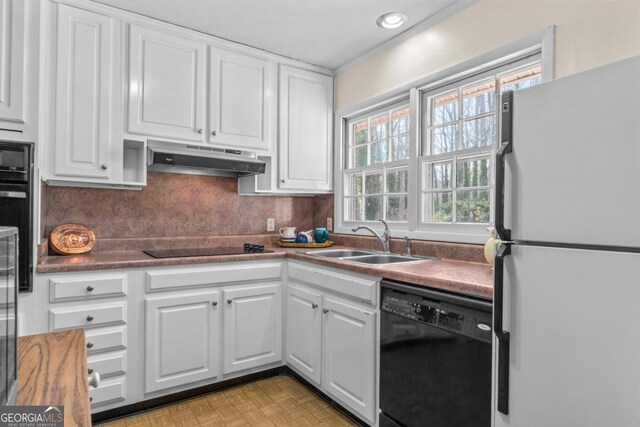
391,20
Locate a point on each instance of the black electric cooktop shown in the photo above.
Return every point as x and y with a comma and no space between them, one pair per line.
190,252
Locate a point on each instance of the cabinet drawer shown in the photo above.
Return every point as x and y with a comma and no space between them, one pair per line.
108,392
356,286
180,278
88,287
107,365
100,340
87,317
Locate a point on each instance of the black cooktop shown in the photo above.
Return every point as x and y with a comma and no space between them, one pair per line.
190,252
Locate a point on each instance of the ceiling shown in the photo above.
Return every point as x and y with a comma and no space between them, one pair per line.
328,33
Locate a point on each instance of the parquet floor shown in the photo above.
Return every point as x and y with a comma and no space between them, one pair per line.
276,401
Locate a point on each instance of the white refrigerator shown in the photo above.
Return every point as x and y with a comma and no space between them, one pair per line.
567,287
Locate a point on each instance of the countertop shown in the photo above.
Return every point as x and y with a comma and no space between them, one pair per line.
463,277
52,370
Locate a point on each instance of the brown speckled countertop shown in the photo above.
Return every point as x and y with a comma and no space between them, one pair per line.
471,278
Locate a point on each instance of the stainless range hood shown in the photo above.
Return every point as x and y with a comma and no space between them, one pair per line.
194,160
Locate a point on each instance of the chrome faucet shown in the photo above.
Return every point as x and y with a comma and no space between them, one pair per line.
409,245
384,239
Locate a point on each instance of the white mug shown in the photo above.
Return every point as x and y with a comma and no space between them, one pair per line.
288,232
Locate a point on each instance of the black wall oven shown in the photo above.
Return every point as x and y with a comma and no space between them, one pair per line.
16,203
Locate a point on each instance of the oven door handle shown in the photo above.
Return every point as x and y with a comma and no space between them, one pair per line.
13,194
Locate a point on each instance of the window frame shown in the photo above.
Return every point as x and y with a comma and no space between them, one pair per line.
540,42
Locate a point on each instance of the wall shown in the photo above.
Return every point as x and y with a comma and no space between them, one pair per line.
588,34
173,205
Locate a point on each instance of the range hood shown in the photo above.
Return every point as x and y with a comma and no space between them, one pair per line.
194,160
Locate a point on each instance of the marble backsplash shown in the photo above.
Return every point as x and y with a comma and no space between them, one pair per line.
174,205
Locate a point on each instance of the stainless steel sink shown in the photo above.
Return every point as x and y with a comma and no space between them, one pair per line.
386,259
340,253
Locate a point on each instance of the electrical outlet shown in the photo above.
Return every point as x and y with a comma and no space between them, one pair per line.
271,224
330,224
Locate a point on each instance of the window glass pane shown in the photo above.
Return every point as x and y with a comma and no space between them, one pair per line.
373,208
399,148
479,98
353,208
360,132
472,206
479,132
354,185
359,156
373,183
444,108
379,127
521,79
437,207
400,120
379,152
473,172
438,176
397,181
397,208
444,139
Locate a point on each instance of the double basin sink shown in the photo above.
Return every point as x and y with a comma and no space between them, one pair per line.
366,257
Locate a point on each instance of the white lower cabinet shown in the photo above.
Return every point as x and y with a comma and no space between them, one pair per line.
252,326
181,340
331,341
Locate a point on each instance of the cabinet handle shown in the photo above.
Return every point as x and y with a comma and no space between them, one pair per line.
213,132
229,301
89,318
200,131
94,380
90,399
104,166
214,303
89,288
89,345
325,310
314,306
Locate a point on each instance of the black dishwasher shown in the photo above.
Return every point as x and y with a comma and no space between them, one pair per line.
435,358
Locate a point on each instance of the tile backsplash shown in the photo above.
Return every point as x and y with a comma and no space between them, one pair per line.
173,205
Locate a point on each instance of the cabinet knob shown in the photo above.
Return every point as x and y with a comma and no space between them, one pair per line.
213,132
314,306
89,318
90,371
214,303
229,301
325,310
89,288
282,180
90,399
200,131
104,166
94,380
89,345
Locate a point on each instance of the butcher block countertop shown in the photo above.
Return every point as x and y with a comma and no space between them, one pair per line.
52,371
464,277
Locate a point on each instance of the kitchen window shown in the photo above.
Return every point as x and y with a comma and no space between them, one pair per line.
377,162
459,139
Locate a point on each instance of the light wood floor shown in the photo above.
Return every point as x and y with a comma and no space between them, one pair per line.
276,401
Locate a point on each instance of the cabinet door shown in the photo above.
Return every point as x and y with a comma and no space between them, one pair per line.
252,326
166,85
306,138
304,331
240,109
12,26
87,66
348,356
181,339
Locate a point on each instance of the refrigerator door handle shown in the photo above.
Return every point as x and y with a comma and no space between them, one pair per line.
503,336
506,147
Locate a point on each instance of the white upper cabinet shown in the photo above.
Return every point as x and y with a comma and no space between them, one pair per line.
12,60
87,82
305,130
166,85
241,98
